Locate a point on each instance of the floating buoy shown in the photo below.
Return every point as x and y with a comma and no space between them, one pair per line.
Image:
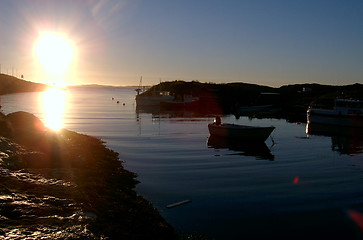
124,104
112,98
118,102
178,204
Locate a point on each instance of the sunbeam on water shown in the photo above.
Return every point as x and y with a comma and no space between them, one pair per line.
54,102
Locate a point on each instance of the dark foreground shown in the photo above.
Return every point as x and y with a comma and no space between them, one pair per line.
67,185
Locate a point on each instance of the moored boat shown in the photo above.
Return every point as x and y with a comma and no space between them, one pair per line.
346,112
242,132
153,99
184,102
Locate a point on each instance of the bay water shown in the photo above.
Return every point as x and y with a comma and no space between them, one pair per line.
295,185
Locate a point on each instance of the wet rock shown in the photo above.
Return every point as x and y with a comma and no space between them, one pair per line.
23,120
5,127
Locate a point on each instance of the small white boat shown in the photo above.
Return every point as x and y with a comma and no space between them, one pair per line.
242,132
345,113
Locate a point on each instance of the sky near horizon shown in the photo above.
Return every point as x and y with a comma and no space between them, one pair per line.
264,42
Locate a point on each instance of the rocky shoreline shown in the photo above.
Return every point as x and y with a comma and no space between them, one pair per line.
65,185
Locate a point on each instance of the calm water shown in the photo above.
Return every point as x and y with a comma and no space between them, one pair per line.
295,185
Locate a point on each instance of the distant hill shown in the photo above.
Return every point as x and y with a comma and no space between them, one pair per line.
252,94
293,100
317,94
10,84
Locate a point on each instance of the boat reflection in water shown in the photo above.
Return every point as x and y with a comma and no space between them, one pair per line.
345,140
159,112
257,149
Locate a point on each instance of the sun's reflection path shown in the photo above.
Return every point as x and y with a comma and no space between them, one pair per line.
54,102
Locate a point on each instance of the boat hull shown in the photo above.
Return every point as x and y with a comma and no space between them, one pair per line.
247,133
346,113
142,100
175,105
332,117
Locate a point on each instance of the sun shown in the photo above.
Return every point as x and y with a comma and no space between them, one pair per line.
54,52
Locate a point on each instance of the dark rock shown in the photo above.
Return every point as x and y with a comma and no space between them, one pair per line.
24,120
65,185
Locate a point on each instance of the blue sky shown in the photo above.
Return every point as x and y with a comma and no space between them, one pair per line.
270,43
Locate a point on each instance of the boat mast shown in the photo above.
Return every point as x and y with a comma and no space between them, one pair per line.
138,90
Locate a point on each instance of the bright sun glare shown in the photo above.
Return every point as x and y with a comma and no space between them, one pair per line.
54,101
55,53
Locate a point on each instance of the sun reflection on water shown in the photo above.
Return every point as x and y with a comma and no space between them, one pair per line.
54,102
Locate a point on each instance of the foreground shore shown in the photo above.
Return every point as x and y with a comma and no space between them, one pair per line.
65,185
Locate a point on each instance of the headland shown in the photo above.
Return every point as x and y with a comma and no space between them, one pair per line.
65,185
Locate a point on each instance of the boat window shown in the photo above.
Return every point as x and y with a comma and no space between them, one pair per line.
164,93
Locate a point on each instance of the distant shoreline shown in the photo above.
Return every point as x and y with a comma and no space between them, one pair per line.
288,101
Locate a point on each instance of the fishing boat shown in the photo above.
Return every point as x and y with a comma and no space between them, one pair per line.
183,102
151,98
241,132
346,112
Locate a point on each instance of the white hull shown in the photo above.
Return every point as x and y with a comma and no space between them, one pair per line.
332,117
346,113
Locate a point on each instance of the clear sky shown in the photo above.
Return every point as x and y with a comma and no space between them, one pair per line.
267,42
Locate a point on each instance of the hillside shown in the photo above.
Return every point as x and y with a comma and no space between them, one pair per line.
317,94
292,100
250,94
10,84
